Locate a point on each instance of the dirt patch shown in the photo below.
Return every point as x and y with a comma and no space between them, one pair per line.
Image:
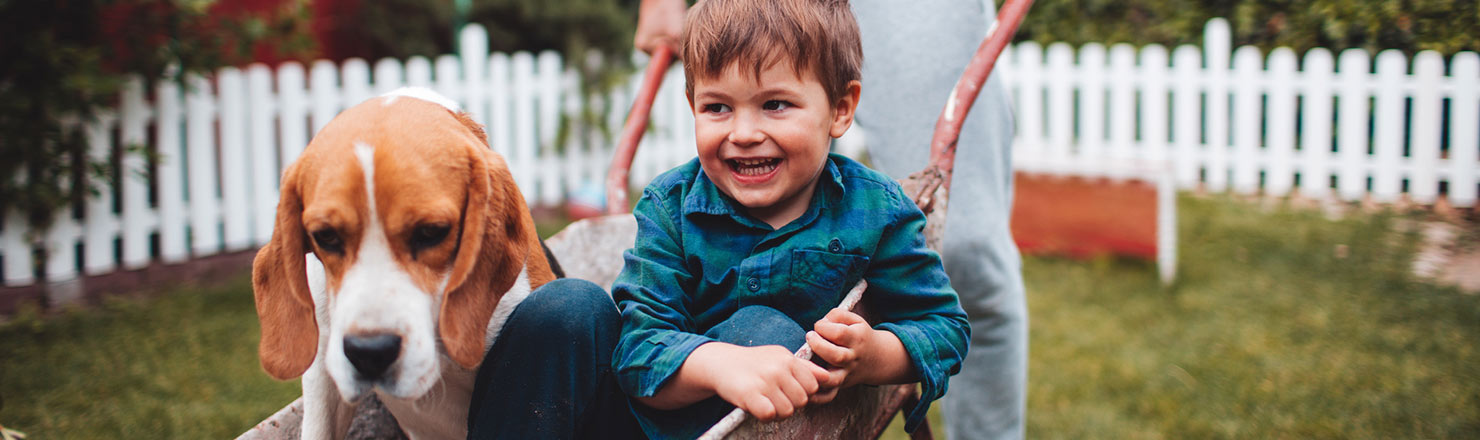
1449,254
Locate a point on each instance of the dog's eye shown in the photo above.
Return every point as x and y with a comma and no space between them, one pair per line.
426,236
328,240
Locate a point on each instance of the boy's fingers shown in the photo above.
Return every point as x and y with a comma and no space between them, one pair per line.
760,407
824,349
844,317
824,395
781,402
806,375
834,332
796,394
832,353
836,378
818,375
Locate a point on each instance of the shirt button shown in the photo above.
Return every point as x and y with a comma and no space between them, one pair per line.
754,284
835,245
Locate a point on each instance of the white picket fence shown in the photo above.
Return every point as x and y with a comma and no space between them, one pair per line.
1238,120
1211,117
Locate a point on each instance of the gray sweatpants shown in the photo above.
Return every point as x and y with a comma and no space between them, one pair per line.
914,51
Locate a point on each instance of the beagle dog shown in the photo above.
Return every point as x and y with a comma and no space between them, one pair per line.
401,246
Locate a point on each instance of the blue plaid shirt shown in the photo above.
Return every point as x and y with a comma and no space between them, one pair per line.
699,257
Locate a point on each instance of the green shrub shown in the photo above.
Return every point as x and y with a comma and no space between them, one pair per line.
1447,26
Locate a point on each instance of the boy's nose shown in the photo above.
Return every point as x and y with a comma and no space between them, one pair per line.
746,131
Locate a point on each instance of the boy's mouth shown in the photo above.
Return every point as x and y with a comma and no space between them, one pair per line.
753,167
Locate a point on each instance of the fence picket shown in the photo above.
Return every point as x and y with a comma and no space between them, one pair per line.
100,224
1315,129
1279,117
1464,129
137,217
17,251
292,129
323,87
419,72
61,248
1028,149
236,219
1352,116
355,83
168,177
1091,111
548,72
473,54
1425,123
500,126
1216,43
201,167
388,76
447,72
1187,123
525,132
1060,101
1153,141
1388,112
677,144
569,171
1121,85
264,161
1248,91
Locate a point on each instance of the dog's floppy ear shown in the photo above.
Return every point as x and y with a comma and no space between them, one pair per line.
290,335
491,253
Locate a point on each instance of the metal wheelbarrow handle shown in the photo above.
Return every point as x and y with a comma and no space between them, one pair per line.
633,129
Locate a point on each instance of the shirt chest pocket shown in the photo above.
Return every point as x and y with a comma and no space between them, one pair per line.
823,271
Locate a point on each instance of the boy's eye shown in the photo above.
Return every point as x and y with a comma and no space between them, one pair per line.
716,108
777,105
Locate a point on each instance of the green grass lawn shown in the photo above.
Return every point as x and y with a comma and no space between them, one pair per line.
1282,324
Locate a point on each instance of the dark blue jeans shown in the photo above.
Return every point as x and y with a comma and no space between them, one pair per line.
750,327
548,376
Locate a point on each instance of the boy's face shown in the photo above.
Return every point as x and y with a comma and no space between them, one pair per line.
763,140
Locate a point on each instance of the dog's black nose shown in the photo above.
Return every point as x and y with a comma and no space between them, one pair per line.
372,354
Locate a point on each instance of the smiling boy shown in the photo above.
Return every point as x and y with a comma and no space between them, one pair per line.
763,234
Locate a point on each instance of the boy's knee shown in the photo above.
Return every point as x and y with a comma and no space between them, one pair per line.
753,326
566,306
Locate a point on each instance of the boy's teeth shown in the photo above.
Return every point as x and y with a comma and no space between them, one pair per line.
754,167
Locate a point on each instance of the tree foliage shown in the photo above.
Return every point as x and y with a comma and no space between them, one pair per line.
1447,26
403,28
65,59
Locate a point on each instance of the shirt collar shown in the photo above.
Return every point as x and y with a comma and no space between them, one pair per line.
704,197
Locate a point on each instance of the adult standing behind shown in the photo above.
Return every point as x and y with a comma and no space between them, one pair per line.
914,52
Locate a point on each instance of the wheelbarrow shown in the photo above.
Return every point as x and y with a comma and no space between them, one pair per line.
591,249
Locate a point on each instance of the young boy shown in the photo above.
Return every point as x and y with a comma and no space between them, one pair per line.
761,236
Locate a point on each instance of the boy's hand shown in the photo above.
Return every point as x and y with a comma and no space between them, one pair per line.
658,23
857,352
767,381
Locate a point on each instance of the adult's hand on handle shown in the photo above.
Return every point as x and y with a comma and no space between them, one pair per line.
658,23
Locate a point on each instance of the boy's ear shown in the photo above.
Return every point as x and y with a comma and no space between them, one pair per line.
845,108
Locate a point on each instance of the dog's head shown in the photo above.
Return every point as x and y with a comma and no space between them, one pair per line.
420,230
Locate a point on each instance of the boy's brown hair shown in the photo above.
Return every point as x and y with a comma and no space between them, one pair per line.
817,36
